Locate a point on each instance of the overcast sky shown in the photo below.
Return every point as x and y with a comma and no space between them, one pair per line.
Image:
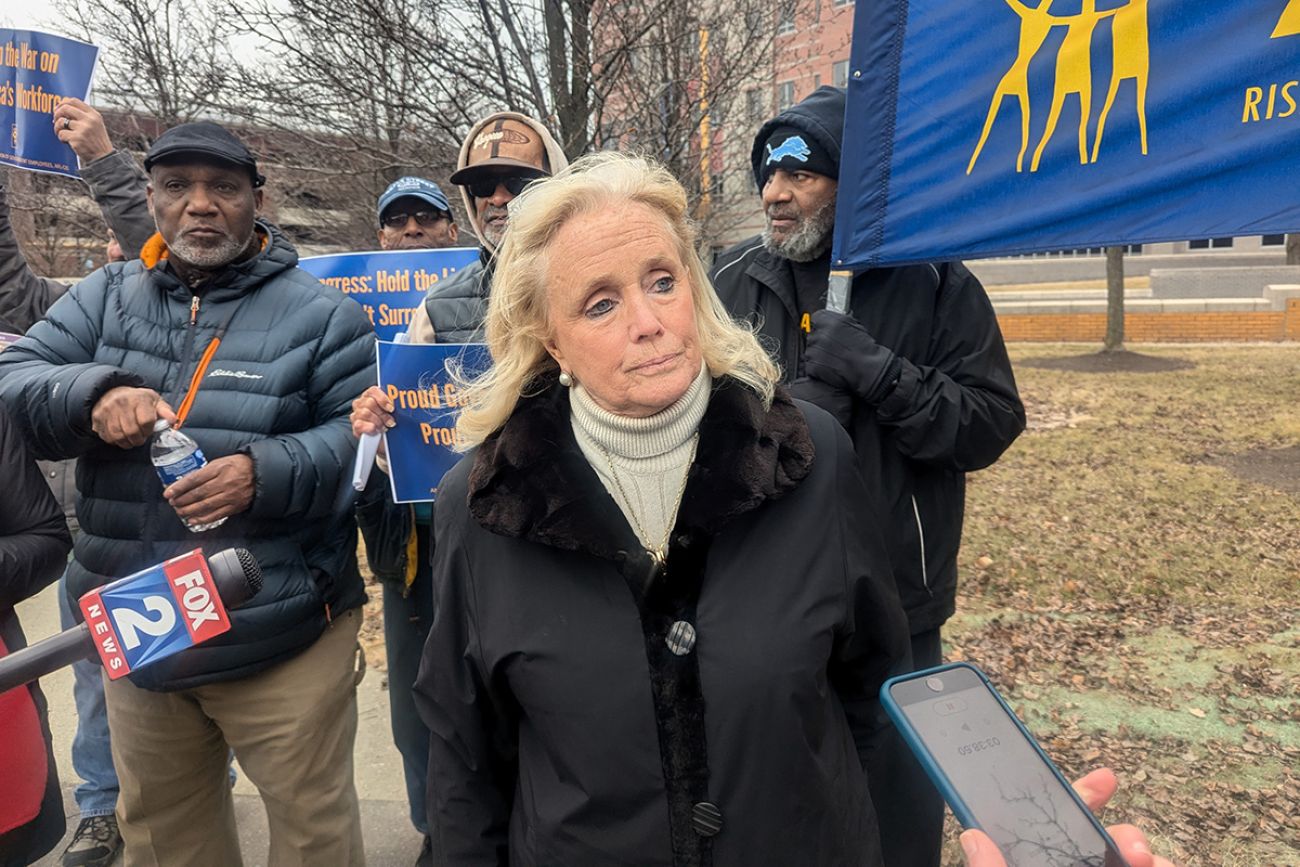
26,19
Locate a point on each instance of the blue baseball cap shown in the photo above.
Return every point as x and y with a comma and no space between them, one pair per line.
418,188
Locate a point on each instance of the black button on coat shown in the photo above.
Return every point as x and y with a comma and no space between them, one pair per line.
566,731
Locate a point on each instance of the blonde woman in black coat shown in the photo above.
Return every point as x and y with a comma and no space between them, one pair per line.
663,606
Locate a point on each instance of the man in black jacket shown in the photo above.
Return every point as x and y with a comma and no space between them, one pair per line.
216,325
34,541
414,214
918,374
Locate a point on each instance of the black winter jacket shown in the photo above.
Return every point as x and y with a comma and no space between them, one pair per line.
117,184
457,306
565,730
34,544
279,389
955,408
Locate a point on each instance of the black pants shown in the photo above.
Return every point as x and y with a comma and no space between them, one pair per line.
407,618
908,806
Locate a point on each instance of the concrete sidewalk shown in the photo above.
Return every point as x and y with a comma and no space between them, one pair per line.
390,839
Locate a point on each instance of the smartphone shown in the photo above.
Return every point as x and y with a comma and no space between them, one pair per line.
992,772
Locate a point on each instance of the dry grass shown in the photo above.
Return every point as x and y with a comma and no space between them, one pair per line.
1137,601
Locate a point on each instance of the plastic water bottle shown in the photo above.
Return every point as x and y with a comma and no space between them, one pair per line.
175,455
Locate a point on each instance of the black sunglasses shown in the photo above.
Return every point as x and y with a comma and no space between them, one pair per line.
487,187
398,219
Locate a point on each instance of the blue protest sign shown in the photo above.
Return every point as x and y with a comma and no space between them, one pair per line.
37,72
389,285
425,399
1066,123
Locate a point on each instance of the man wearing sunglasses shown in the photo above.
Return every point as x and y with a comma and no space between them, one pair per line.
414,214
502,154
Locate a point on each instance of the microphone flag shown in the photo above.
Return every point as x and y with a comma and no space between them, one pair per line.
154,613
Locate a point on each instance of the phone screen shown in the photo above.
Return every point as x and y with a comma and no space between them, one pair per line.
1013,795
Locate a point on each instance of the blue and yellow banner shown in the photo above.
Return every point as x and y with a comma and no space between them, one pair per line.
989,127
37,72
426,399
389,285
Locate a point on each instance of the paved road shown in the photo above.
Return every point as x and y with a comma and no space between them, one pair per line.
390,839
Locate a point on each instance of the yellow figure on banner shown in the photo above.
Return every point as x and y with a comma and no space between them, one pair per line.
1074,75
1289,23
1131,59
1035,24
1130,43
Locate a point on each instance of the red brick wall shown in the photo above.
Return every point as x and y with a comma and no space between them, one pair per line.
1272,325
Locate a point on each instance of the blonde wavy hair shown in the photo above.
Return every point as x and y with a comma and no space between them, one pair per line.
517,322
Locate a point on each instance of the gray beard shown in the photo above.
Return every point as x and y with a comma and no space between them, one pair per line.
205,257
810,239
491,234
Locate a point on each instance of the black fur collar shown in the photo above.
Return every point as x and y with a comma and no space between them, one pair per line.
531,481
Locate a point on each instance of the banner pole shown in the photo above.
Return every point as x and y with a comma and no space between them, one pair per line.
837,291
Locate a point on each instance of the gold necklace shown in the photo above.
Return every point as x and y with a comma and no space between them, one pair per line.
660,554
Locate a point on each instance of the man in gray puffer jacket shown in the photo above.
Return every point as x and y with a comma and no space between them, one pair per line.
117,185
261,360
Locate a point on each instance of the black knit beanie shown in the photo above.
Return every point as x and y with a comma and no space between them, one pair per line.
794,150
818,119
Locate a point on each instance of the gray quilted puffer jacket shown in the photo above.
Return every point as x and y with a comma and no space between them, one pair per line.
278,389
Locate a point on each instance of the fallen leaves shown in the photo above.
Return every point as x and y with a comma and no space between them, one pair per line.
1138,604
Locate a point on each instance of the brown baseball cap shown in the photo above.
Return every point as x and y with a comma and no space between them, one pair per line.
504,142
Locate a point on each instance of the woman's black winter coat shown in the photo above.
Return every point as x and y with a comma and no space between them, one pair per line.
566,731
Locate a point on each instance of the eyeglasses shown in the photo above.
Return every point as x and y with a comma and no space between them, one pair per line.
398,219
486,188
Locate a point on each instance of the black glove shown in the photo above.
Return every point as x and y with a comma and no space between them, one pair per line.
841,353
836,401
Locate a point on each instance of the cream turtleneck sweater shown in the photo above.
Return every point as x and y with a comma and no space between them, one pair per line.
642,462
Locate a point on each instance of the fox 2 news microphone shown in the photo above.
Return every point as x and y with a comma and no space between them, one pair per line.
145,617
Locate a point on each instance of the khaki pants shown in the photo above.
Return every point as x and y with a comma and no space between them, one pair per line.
292,728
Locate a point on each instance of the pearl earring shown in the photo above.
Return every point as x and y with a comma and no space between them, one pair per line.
565,379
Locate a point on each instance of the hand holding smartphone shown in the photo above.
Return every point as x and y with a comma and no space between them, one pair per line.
992,772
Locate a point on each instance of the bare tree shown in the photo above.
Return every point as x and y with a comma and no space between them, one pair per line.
1114,341
665,77
58,225
347,97
340,98
677,91
164,58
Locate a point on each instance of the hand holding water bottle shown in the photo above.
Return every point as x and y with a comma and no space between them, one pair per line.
203,493
124,416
